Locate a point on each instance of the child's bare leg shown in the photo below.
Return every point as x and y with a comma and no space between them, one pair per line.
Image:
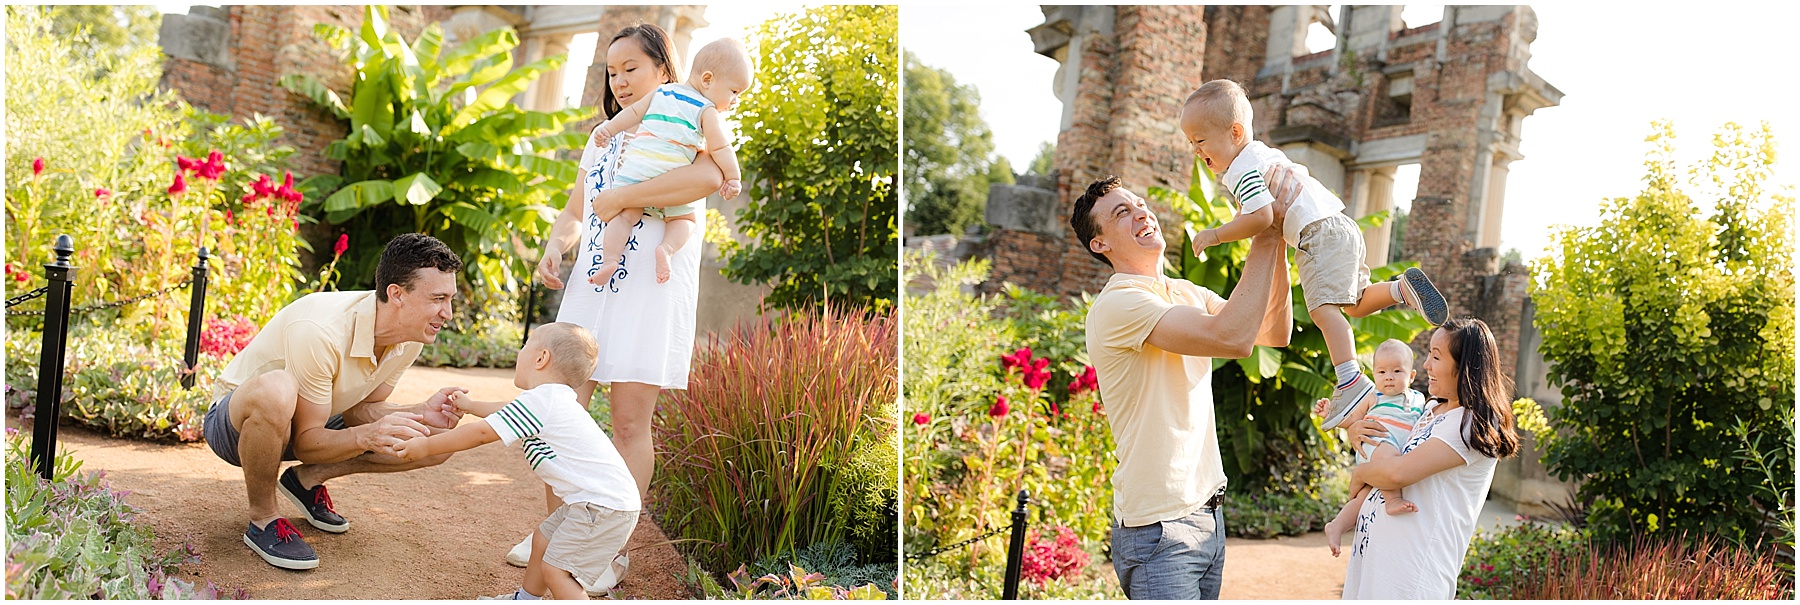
676,233
612,244
1375,297
1345,519
1339,340
563,586
1396,503
1352,386
534,570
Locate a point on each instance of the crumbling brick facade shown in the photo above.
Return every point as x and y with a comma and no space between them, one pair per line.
1449,96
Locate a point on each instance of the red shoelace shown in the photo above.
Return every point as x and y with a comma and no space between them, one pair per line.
320,497
285,531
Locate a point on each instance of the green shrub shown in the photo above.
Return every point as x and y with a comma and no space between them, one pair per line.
117,385
759,456
488,340
1667,328
1499,560
1266,514
837,563
820,159
949,579
75,538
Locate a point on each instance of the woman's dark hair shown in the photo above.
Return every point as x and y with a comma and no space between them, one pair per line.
1487,425
406,255
656,45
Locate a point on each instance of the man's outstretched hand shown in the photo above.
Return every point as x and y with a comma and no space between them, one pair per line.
440,410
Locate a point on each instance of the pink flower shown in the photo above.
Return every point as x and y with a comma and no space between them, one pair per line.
262,186
229,219
21,277
180,185
999,409
1047,560
37,166
921,418
342,244
186,164
1036,378
102,192
286,191
1018,359
1097,407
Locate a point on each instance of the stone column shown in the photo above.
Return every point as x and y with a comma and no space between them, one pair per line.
1494,202
546,92
1380,196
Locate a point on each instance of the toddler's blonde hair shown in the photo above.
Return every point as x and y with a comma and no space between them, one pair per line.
573,351
1221,103
1394,346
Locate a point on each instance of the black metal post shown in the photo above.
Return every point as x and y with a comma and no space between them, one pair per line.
190,354
1015,551
50,360
530,308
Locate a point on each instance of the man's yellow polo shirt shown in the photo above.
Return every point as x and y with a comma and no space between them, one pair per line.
327,341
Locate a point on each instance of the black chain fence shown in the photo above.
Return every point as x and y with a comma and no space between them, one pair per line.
38,293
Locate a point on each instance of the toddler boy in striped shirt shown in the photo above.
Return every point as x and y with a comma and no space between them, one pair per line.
566,448
1216,119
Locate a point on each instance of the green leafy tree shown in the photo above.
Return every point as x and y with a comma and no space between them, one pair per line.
1045,160
1667,328
123,30
1264,401
820,160
436,146
947,149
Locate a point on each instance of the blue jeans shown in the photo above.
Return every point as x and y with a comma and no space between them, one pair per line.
1176,559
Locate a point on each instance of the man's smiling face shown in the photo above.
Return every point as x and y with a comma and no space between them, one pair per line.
1128,229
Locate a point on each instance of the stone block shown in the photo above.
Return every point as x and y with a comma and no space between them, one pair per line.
202,35
1024,208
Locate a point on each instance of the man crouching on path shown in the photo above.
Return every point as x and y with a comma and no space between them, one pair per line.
313,386
1150,338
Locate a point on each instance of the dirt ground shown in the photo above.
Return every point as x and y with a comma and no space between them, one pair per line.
441,533
436,533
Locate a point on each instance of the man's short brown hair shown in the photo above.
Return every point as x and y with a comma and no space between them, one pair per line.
1081,219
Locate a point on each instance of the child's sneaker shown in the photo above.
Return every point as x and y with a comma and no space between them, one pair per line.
1344,400
520,555
1417,292
281,545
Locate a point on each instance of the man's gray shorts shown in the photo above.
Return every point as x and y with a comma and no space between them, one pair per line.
223,439
1177,559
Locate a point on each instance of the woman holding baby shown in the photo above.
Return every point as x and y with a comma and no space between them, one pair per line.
1445,469
645,328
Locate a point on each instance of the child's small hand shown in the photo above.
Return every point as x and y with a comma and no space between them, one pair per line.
731,188
602,136
1206,238
1319,408
412,449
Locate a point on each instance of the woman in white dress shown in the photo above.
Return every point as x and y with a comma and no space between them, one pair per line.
648,337
1445,468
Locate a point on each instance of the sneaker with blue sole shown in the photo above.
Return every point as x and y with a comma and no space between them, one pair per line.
281,545
1417,292
1344,400
315,502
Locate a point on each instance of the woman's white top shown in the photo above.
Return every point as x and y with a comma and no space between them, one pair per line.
1418,555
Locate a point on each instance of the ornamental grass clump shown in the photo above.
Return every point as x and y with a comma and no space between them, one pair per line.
757,456
1660,567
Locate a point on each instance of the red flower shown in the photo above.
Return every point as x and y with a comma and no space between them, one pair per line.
37,166
212,168
921,418
262,186
186,164
21,277
342,244
286,191
180,185
9,268
1096,406
999,408
102,192
229,219
1018,359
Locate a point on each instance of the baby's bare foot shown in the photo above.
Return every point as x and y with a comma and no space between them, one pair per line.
599,278
1400,506
1334,535
662,264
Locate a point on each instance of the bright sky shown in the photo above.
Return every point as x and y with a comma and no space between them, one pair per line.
1619,70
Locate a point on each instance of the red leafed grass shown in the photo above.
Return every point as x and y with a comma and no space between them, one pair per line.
774,412
1660,568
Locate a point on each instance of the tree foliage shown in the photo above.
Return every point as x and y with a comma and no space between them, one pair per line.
1264,402
1045,160
1666,328
437,147
820,159
122,29
947,149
